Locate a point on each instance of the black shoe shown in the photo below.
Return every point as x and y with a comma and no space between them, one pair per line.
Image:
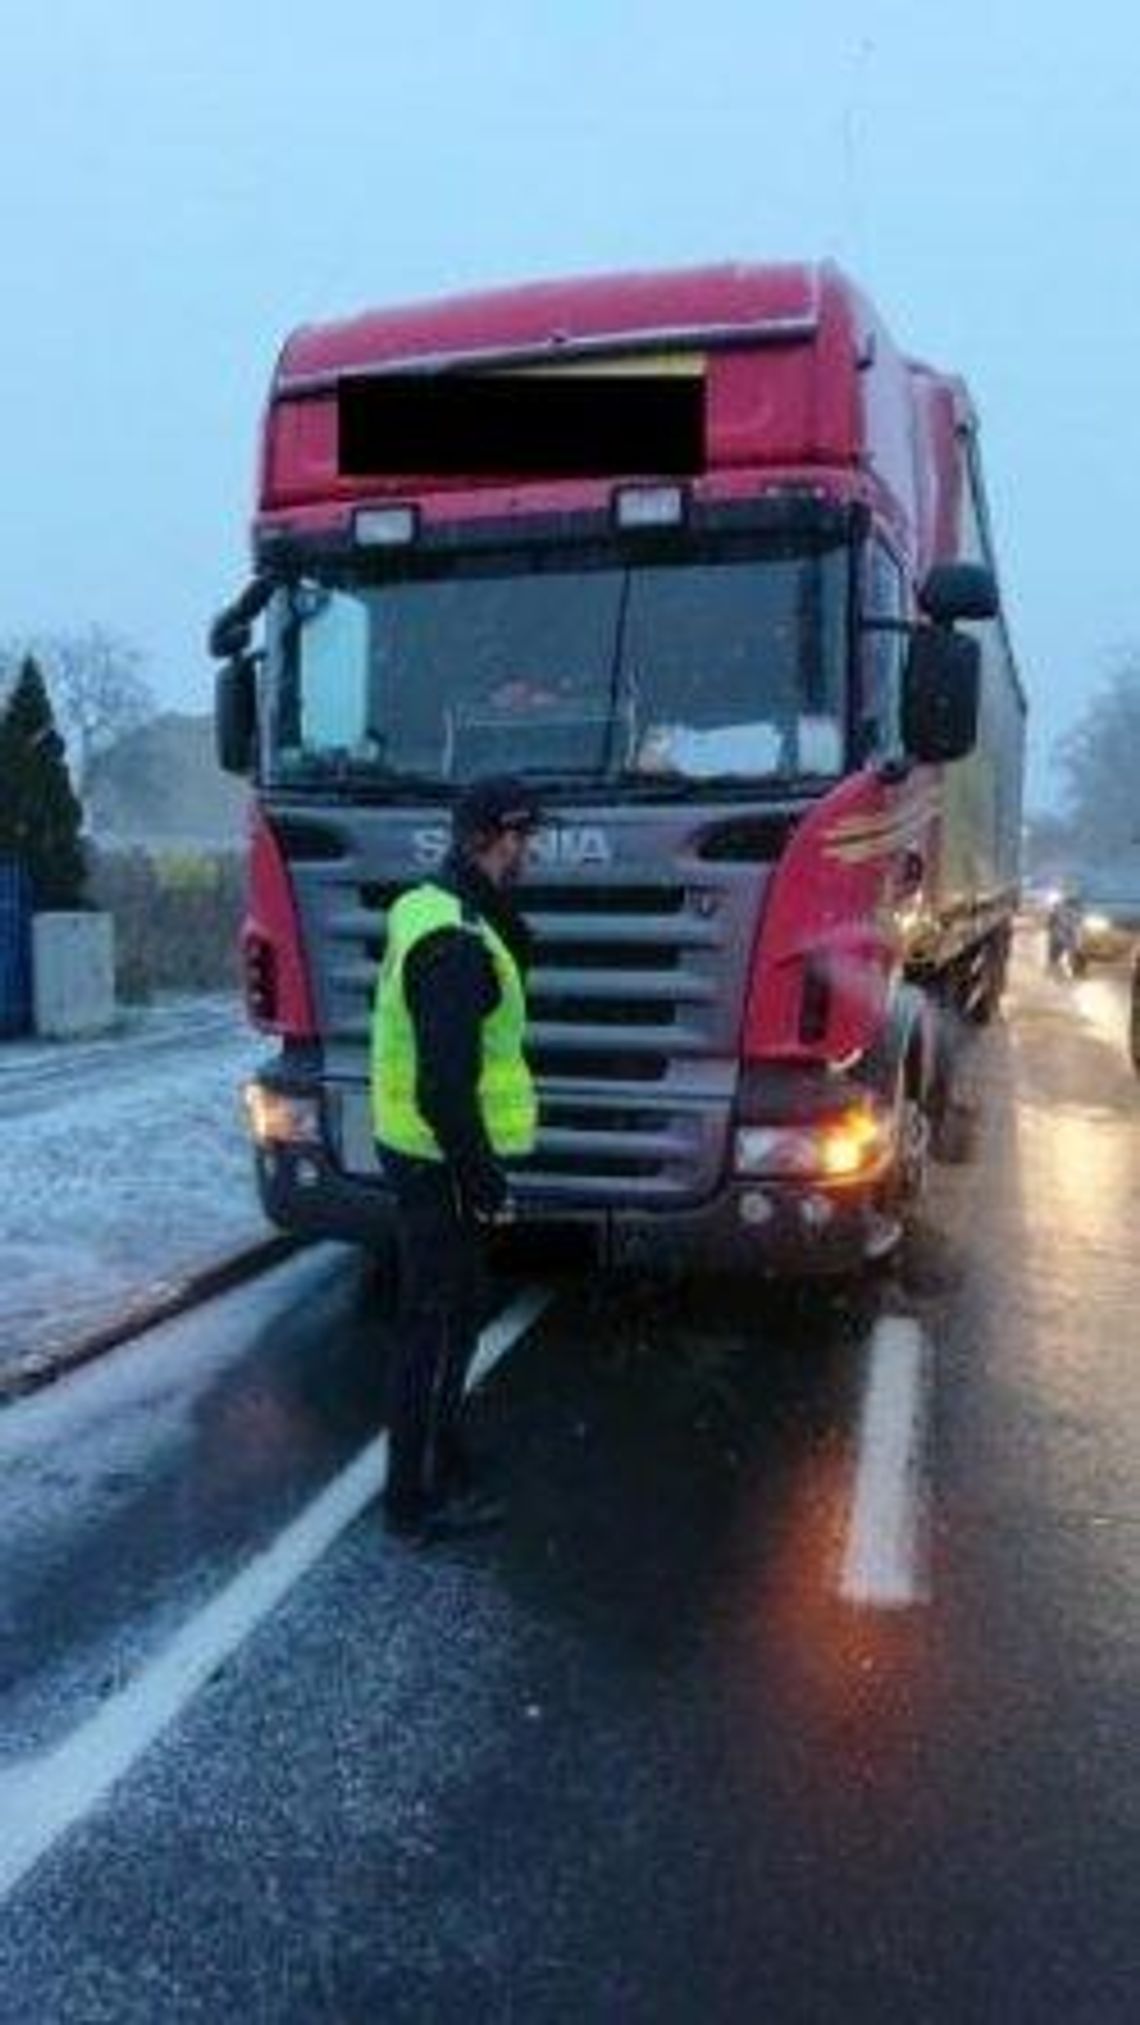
474,1512
474,1503
409,1526
455,1472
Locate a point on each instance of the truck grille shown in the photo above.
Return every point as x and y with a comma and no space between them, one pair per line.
624,988
635,998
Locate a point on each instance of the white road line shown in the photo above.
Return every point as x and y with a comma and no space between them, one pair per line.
884,1563
42,1798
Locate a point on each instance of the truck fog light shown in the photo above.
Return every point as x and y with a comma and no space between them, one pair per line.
276,1119
755,1207
816,1211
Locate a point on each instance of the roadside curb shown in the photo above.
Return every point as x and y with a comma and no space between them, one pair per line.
42,1367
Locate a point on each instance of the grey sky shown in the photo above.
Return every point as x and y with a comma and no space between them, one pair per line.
181,185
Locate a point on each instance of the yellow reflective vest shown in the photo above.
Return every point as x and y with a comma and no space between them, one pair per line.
505,1092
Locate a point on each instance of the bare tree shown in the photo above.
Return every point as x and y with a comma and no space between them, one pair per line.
1048,843
97,687
1100,758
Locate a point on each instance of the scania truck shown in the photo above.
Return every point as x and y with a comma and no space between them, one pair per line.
707,557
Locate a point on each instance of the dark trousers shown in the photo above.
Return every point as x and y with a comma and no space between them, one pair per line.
441,1290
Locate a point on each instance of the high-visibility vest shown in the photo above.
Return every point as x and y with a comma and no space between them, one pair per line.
505,1090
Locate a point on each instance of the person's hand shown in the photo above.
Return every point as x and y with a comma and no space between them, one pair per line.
483,1192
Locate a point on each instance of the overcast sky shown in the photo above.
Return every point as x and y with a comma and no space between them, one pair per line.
179,185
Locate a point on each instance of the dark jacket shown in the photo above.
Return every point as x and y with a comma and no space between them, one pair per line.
451,987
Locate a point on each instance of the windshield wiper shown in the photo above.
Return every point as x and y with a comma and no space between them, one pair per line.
372,780
562,776
690,786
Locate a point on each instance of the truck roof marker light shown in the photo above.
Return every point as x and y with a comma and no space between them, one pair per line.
385,526
649,505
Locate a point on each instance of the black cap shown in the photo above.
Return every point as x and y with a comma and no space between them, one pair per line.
497,802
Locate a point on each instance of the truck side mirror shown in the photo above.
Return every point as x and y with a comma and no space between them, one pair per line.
959,591
230,631
940,689
235,714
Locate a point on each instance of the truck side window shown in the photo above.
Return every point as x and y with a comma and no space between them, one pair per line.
882,660
332,642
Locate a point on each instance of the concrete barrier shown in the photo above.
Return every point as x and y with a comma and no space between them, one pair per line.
73,974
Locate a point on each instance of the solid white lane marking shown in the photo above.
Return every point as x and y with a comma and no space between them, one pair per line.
41,1798
504,1330
884,1563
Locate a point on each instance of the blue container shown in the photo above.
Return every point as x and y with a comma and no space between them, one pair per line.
15,950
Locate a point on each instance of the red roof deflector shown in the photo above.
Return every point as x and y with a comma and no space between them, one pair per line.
611,316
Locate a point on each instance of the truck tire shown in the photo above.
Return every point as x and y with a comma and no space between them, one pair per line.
952,1109
906,1186
914,1132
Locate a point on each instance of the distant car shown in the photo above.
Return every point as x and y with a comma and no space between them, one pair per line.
1096,920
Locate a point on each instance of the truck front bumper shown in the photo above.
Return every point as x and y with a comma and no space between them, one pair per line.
782,1231
783,1226
778,1232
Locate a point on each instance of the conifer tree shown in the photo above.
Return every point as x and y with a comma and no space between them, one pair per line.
40,818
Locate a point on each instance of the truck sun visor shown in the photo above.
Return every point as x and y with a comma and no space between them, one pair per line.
549,425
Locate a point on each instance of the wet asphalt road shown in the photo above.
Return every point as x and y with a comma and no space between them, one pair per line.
641,1755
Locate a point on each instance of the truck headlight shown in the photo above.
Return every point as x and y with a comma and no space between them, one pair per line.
851,1145
277,1119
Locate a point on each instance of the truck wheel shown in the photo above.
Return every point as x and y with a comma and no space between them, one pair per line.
913,1140
907,1184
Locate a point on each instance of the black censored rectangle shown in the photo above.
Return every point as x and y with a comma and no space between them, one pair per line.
485,425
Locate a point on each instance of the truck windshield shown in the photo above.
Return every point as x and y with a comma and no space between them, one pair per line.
710,667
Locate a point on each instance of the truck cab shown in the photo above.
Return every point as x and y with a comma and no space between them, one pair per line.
761,680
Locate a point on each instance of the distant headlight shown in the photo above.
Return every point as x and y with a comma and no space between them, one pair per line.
1096,924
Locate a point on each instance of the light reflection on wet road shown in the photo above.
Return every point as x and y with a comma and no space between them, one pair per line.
636,1757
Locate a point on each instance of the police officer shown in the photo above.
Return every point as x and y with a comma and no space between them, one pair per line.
452,1100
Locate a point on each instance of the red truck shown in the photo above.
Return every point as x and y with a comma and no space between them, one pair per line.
709,558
